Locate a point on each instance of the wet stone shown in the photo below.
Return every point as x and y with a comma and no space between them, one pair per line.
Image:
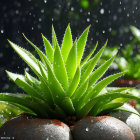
29,128
101,128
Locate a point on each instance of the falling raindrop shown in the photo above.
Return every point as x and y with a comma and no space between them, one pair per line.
27,69
103,31
45,1
88,13
102,11
2,31
72,9
42,11
88,19
87,129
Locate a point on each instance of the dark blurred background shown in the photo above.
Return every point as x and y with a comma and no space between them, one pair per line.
109,19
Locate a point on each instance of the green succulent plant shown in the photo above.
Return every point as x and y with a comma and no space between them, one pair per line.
66,84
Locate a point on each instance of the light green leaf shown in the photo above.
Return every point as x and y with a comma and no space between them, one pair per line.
54,39
48,48
27,57
33,81
98,88
36,105
81,45
100,71
74,83
59,68
104,98
90,54
57,90
66,44
92,64
126,108
79,92
71,63
20,80
136,32
110,106
85,110
40,53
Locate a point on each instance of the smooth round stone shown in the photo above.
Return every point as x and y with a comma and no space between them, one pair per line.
29,128
101,128
132,120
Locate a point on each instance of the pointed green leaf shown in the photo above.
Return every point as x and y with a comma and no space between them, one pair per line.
79,92
92,64
126,108
100,71
98,88
104,98
74,83
20,80
57,90
27,57
33,81
40,53
43,71
54,39
66,44
85,110
110,106
81,45
67,105
71,63
103,83
48,48
59,68
90,54
36,105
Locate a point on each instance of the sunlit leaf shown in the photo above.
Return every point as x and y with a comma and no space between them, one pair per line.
90,54
71,63
59,68
48,48
74,83
81,45
66,44
92,64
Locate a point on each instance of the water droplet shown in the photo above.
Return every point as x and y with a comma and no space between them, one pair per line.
45,1
102,11
42,11
27,69
128,14
2,31
40,19
87,129
88,19
92,121
88,13
103,31
72,9
1,55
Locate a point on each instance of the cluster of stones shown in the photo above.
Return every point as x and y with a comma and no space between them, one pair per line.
23,127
